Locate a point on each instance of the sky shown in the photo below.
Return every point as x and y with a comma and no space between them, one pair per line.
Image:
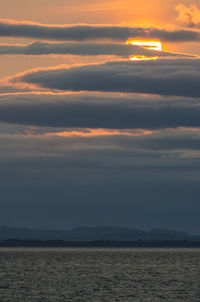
100,114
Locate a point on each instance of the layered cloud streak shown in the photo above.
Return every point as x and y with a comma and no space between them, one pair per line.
99,111
12,28
82,49
164,77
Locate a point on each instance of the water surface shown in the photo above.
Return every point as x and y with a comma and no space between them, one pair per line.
94,275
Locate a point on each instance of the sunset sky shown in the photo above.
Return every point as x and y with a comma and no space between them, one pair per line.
100,114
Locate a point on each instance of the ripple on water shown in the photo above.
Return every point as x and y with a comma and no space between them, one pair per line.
98,275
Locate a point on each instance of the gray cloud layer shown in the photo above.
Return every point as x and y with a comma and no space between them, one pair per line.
163,77
91,32
162,144
73,180
88,49
99,111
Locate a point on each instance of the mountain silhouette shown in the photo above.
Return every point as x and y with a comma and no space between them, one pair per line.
93,233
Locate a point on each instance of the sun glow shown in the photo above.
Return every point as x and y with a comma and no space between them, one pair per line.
142,58
150,45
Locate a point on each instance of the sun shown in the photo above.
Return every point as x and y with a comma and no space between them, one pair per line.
142,58
150,45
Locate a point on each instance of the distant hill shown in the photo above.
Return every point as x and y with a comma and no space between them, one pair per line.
93,233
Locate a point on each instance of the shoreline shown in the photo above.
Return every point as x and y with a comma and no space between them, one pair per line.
13,243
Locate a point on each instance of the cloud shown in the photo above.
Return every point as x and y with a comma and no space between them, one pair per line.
164,77
88,49
107,111
188,16
110,151
12,28
73,178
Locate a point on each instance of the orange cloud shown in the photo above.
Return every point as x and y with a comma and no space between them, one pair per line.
188,16
90,132
99,132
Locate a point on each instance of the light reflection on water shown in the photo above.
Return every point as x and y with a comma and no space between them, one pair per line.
97,275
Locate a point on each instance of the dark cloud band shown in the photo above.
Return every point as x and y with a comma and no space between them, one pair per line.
87,49
91,32
99,111
163,77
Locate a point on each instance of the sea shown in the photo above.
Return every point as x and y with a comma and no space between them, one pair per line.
97,275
